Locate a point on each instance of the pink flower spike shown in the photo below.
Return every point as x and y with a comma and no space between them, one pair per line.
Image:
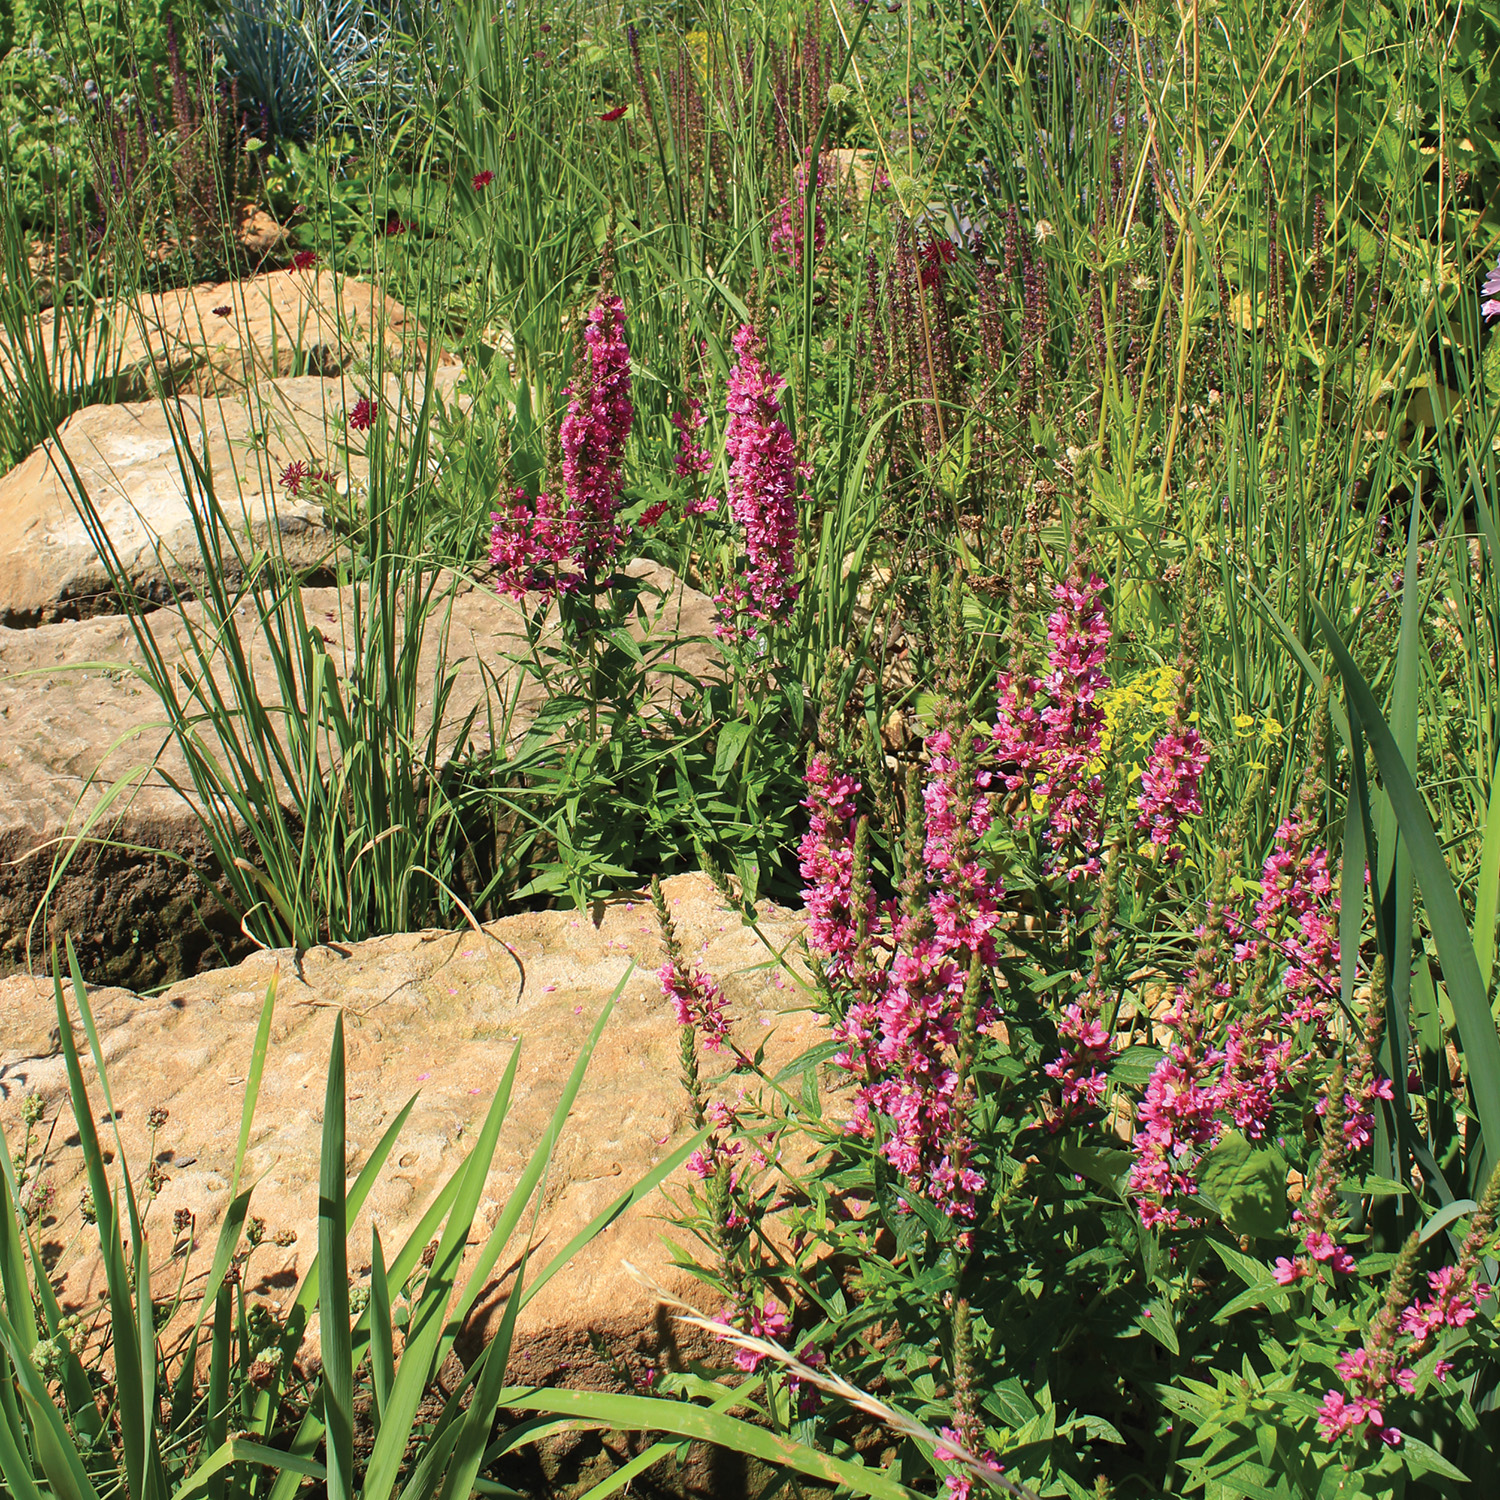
762,485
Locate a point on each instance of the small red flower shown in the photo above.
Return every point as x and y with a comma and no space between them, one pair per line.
482,180
394,224
653,513
614,114
545,27
294,476
305,260
223,312
935,255
362,418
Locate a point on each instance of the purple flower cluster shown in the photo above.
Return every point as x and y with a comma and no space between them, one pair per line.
762,484
900,1035
791,227
1051,751
1177,1120
593,436
1197,1087
1086,1049
557,547
697,1002
827,868
1490,291
1298,915
1382,1368
1454,1302
1170,786
692,461
532,546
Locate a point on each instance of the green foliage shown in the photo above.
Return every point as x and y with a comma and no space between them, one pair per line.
1222,330
59,61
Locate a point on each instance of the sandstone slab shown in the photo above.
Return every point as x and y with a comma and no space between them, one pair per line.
148,468
83,738
437,1014
225,337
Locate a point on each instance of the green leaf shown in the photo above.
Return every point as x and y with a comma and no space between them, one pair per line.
1488,891
1156,1319
1421,1459
333,1289
1476,1026
1247,1183
1134,1067
1458,1209
654,1414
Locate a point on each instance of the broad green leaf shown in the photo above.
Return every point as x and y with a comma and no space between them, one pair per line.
1247,1183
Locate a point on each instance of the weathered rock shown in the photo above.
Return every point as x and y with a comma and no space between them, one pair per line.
213,339
82,737
259,234
130,461
435,1013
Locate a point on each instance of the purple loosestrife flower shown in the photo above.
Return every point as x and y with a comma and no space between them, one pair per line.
1256,1061
1454,1302
900,1037
920,1004
965,899
550,547
1490,291
960,1486
532,546
769,1322
1170,786
762,484
697,1002
1086,1049
692,461
1298,915
1177,1123
791,228
1051,752
826,862
593,436
1370,1372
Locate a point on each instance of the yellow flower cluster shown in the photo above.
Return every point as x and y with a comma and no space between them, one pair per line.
1136,707
1265,732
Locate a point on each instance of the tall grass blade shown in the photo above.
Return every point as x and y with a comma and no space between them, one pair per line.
382,1356
333,1295
1488,892
56,1454
1476,1025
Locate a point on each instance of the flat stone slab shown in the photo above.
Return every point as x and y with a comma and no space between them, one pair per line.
82,737
226,337
437,1014
131,462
